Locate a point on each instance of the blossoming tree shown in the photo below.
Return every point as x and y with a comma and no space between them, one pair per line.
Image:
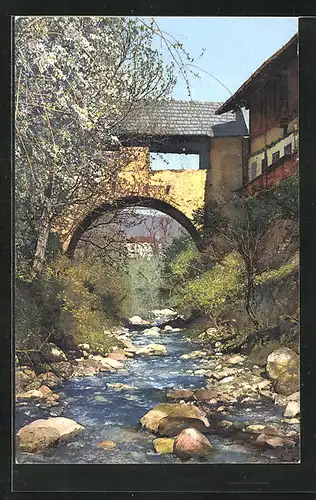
76,80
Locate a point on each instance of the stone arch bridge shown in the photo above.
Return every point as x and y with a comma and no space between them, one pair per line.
220,144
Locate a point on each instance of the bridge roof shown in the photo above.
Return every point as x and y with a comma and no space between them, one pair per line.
185,118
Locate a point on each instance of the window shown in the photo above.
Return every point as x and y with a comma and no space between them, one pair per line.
253,170
275,156
264,164
288,149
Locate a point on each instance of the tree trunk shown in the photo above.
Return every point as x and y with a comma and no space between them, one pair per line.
41,246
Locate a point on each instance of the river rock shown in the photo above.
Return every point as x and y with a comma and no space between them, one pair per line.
112,363
46,391
34,393
118,356
128,345
281,361
294,397
150,420
23,377
292,409
205,395
154,331
99,398
265,384
41,434
104,364
272,430
137,320
121,387
152,350
287,383
164,312
254,429
49,379
87,368
223,374
52,353
180,394
168,328
63,369
236,359
269,441
37,439
172,426
194,355
163,445
191,443
291,421
107,445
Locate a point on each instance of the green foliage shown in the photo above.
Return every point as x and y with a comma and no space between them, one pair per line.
280,273
27,318
145,285
281,200
210,291
89,300
178,245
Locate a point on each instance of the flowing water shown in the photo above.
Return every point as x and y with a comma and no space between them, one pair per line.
110,414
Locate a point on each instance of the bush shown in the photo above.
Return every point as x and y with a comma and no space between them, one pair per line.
89,301
210,291
27,317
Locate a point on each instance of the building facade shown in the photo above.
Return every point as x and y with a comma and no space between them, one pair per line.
271,95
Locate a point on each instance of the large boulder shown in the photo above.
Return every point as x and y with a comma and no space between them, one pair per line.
152,350
52,354
281,361
172,426
151,420
41,434
36,439
191,443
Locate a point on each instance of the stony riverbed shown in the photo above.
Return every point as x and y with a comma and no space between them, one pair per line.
109,406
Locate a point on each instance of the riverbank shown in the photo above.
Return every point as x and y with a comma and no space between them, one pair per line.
248,420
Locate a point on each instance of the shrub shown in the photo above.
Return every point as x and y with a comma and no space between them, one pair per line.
210,291
89,300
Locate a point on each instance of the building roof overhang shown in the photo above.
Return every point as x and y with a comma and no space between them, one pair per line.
268,69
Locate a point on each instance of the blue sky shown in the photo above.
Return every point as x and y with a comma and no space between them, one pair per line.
235,48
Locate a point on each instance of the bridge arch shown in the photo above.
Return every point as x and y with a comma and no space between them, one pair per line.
133,201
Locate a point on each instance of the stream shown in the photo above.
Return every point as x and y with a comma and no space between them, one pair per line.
110,414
